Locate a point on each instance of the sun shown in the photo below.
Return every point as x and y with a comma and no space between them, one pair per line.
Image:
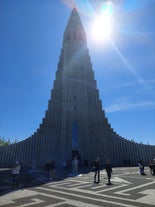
102,23
101,27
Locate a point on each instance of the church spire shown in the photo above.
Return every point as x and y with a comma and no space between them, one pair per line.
74,29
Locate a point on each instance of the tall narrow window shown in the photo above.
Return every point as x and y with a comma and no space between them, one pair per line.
75,136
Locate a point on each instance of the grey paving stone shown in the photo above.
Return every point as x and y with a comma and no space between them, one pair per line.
129,189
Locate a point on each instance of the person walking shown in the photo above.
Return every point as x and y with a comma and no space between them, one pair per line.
96,167
108,169
15,174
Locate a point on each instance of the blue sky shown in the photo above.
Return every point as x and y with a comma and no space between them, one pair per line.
31,33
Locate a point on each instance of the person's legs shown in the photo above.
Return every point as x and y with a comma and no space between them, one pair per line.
109,176
48,174
98,172
16,181
95,176
73,170
13,181
52,174
76,170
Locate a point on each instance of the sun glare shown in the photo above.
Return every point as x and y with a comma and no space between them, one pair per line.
102,24
101,27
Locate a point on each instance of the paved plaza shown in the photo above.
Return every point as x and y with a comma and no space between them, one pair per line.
129,189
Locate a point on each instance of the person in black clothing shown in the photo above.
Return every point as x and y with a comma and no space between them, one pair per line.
50,169
97,170
108,169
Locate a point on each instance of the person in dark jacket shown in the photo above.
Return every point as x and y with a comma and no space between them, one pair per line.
108,169
50,169
96,167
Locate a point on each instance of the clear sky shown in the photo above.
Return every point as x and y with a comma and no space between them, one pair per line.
31,34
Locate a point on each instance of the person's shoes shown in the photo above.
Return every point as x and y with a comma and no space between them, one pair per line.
97,182
109,183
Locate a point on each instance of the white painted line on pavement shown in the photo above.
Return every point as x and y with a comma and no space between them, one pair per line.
122,192
149,197
86,197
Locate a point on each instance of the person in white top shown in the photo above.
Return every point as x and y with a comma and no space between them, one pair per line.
15,174
75,164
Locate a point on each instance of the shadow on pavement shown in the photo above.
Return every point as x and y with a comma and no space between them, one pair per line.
32,178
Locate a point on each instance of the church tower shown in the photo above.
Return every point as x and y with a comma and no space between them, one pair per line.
75,111
75,123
